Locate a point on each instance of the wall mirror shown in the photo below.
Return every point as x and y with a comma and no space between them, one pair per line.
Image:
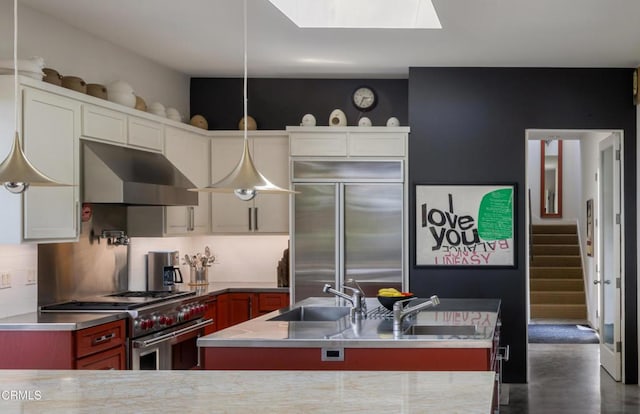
551,178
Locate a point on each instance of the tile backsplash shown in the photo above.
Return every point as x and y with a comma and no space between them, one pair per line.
19,262
239,258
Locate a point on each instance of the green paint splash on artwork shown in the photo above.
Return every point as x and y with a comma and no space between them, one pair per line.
495,215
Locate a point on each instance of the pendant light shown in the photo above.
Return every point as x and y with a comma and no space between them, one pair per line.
245,181
16,172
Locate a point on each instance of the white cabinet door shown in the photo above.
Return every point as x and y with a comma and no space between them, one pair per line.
272,160
145,134
104,124
51,131
228,213
267,213
189,152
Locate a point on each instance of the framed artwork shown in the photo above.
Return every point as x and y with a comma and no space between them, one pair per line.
465,225
590,227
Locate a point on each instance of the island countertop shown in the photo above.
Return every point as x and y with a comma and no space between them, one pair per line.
371,332
31,391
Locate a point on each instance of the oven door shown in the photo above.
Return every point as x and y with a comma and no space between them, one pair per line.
173,348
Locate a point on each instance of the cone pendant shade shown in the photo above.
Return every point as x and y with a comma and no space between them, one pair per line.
245,180
17,173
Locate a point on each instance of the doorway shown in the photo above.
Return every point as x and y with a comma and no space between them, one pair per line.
591,200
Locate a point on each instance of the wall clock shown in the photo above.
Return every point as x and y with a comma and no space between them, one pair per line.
364,98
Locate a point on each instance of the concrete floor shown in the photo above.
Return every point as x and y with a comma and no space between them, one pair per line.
567,378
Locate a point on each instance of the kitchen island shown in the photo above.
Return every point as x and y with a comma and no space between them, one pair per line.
54,391
459,334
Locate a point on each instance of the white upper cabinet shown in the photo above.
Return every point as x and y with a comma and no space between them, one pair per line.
120,128
266,213
327,141
189,152
51,126
50,136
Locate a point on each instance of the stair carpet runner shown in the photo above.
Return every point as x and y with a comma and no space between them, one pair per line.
557,287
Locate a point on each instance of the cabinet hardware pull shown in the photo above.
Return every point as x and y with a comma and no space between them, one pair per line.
192,219
104,338
249,218
255,218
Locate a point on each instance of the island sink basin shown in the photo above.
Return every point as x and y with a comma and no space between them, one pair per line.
444,330
313,314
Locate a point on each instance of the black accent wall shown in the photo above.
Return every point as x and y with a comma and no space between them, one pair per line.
468,126
278,103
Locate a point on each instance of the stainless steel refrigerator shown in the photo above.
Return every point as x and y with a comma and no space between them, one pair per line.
348,223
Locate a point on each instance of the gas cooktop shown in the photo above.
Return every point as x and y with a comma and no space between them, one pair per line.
128,300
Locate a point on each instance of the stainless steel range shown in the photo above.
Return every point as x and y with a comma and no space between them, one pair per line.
163,326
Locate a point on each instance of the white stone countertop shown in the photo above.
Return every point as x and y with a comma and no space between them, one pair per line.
69,392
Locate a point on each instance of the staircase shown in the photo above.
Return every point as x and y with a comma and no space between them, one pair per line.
557,288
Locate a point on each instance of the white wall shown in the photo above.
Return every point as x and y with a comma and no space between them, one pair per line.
74,52
571,184
20,262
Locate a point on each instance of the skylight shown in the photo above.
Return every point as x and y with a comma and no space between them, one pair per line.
360,14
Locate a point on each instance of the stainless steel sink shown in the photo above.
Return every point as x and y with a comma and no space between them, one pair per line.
443,330
313,314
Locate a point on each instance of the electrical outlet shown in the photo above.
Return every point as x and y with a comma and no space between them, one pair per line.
5,280
31,277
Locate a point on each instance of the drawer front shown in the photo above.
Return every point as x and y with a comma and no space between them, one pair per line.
318,144
146,134
268,302
104,124
99,338
378,144
110,359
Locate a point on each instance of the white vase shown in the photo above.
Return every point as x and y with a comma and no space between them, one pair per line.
337,118
308,120
364,122
393,122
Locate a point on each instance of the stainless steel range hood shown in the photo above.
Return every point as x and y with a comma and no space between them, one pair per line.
113,174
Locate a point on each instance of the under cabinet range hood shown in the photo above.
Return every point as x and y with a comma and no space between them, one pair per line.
113,174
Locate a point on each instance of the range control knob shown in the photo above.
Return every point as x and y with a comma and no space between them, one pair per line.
162,320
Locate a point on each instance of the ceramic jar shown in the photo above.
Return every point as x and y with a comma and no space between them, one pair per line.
251,124
74,83
97,90
199,121
364,122
337,118
308,120
122,93
393,122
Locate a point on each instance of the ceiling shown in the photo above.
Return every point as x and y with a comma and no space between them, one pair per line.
204,37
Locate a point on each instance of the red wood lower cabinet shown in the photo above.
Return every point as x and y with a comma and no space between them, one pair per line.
357,359
37,350
98,347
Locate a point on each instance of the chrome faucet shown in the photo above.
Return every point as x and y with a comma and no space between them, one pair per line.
400,313
357,299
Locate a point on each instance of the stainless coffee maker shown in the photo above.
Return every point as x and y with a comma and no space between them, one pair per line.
162,270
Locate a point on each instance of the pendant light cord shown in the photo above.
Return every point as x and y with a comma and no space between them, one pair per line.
245,70
15,63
